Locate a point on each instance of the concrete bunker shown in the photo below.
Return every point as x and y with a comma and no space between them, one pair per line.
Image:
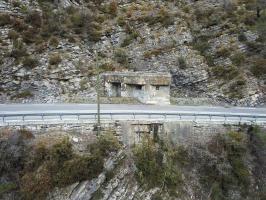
116,89
149,88
137,131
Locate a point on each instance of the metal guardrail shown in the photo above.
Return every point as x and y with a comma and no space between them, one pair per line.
80,117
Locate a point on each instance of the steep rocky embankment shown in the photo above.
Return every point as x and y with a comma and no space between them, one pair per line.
215,50
57,166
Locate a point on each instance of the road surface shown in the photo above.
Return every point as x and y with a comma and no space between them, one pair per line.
32,112
75,108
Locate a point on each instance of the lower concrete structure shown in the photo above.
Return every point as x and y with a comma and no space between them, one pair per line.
148,88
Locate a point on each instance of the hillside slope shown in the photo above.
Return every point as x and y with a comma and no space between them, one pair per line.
214,49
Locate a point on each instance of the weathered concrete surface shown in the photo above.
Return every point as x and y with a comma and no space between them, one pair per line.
150,88
132,132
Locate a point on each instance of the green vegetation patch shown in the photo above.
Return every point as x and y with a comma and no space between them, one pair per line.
217,175
156,167
225,72
23,94
121,57
5,19
59,166
55,59
30,62
259,67
6,187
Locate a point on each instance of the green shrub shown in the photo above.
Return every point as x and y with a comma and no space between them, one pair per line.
24,94
83,84
259,68
121,57
254,47
156,196
209,59
128,40
36,185
7,187
16,4
5,19
59,166
97,195
30,35
34,18
238,59
236,88
78,19
236,150
202,13
182,63
80,168
61,152
152,171
105,144
223,52
155,52
217,192
229,171
163,16
226,73
54,41
201,45
148,161
19,25
260,134
121,21
94,33
30,62
113,8
13,35
179,155
18,49
107,67
261,27
25,134
55,59
242,37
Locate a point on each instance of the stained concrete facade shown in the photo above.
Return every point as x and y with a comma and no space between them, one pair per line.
148,88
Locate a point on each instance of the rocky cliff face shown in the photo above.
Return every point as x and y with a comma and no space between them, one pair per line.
53,164
215,50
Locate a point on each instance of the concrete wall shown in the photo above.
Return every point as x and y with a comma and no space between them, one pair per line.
132,132
131,81
183,133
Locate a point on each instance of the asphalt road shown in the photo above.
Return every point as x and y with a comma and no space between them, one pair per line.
116,108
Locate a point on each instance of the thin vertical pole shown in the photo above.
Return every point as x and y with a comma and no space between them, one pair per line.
98,96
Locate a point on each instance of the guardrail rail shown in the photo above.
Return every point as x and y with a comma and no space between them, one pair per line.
90,117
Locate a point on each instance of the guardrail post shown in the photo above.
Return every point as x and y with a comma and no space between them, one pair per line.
180,116
195,117
3,119
225,119
210,117
240,119
134,117
23,118
78,117
60,117
111,116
